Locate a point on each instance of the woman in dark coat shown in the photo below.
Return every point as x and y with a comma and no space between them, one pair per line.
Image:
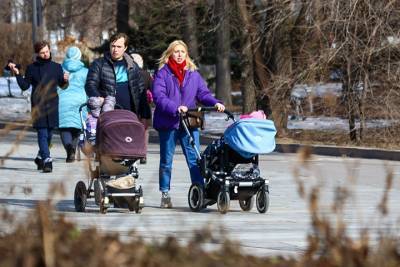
43,75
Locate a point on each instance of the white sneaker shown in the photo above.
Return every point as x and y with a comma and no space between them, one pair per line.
165,201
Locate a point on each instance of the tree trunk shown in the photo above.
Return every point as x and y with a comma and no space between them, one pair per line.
283,81
6,11
361,104
247,84
348,89
122,16
263,78
223,69
68,18
27,11
191,29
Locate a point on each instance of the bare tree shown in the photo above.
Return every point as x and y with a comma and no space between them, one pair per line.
122,17
223,69
248,86
68,22
284,76
85,17
5,11
361,44
16,43
190,29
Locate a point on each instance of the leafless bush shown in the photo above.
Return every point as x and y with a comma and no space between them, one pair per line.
305,41
16,44
359,39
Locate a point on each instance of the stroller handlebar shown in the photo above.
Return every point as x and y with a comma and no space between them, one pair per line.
205,109
82,106
202,109
86,104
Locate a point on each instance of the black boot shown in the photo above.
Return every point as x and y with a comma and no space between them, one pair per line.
48,166
39,163
70,154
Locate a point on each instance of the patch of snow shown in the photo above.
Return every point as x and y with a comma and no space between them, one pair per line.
9,88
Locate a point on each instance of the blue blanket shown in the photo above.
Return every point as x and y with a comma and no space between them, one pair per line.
250,137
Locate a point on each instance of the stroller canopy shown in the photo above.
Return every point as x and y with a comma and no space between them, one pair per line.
250,136
121,134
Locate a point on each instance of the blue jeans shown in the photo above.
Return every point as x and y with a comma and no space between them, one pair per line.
168,139
44,139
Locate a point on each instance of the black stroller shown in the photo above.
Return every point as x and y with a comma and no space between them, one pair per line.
229,165
120,142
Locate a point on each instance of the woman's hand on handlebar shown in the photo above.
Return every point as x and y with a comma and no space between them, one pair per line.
219,107
182,109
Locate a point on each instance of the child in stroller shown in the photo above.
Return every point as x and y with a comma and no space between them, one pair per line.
120,142
229,165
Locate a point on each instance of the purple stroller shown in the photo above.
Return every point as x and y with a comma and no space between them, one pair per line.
120,142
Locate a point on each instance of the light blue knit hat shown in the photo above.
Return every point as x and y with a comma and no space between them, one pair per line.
73,52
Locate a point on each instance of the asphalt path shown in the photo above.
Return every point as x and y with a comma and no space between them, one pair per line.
280,231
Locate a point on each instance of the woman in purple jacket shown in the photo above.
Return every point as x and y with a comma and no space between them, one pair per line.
177,86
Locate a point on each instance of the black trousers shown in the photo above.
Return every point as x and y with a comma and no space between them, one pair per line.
69,137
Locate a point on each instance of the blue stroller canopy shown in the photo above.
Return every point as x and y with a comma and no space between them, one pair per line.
251,136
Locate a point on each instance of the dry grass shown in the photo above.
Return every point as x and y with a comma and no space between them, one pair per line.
47,239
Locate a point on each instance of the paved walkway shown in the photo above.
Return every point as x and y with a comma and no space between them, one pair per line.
282,230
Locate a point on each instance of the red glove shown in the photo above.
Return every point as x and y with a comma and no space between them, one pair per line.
149,96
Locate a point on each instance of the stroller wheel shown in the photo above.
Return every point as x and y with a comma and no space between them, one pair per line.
103,209
80,196
247,203
97,192
138,208
262,200
134,204
196,197
223,201
104,205
131,203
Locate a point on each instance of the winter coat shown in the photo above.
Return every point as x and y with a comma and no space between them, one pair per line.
73,96
44,76
101,81
168,96
147,80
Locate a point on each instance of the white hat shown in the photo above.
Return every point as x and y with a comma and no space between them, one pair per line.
138,59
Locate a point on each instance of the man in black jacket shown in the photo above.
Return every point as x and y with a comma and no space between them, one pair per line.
117,75
44,75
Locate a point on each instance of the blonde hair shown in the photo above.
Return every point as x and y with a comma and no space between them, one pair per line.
168,52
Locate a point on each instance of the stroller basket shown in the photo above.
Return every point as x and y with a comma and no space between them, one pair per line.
250,137
120,135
